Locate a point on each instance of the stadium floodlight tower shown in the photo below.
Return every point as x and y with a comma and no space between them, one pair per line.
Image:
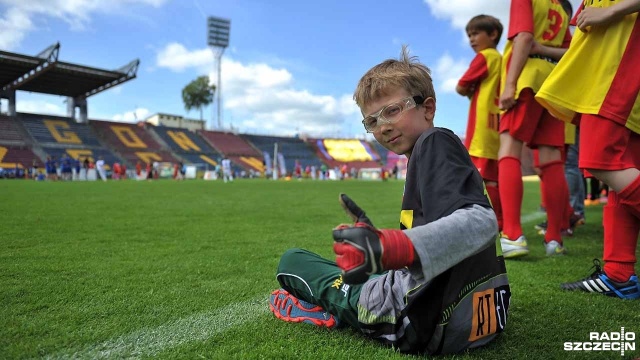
218,40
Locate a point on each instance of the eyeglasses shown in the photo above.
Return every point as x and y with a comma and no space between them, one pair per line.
391,113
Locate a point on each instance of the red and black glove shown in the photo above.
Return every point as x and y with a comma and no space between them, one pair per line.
362,250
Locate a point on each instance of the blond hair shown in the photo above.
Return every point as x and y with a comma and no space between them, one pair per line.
406,73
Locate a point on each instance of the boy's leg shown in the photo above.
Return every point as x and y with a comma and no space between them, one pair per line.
621,231
621,218
549,138
517,126
312,278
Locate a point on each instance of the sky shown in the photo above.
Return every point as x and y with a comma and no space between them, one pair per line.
290,68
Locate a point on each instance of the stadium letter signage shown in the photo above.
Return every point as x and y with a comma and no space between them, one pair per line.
128,137
182,140
65,137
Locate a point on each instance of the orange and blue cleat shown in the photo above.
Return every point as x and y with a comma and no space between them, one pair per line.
288,308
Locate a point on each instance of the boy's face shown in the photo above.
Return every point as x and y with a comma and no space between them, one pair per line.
480,40
401,136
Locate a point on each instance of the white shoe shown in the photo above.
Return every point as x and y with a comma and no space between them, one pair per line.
554,248
514,248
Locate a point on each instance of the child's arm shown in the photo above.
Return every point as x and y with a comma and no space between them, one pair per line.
443,243
521,47
465,90
555,53
590,16
475,73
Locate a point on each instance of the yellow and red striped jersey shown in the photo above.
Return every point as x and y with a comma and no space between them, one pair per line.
482,138
599,73
549,24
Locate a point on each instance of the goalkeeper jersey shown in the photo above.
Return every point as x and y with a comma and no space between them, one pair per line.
482,138
599,74
456,296
549,24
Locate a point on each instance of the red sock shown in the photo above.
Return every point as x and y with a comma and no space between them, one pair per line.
554,193
494,195
630,197
621,231
510,180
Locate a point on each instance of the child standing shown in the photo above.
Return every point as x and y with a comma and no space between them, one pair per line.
525,121
437,284
481,84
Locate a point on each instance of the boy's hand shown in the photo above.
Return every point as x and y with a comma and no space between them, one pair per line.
362,250
590,16
508,97
353,210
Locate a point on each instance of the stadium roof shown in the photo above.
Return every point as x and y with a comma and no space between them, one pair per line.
43,73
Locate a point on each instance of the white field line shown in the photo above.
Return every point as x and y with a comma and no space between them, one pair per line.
531,217
152,341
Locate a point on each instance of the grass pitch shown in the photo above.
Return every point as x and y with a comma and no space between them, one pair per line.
182,270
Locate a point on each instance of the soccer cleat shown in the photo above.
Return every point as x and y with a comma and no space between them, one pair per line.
288,308
514,248
575,221
541,226
599,283
553,248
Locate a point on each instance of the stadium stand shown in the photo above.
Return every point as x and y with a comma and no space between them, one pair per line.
22,156
57,135
132,142
383,152
54,130
10,132
292,149
236,149
355,153
187,145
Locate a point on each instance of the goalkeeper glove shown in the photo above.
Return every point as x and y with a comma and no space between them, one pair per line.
362,250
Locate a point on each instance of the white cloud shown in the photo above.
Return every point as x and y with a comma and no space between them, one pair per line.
40,107
460,11
447,73
176,57
17,20
136,115
13,27
263,99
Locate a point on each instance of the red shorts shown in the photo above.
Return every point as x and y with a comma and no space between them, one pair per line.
607,145
488,168
529,122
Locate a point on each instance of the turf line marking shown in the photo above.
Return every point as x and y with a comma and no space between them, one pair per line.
534,216
152,341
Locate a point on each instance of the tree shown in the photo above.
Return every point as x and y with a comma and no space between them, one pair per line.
198,94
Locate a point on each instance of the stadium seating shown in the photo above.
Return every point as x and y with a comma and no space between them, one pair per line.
292,149
236,149
9,132
54,130
382,151
187,145
133,142
355,153
21,155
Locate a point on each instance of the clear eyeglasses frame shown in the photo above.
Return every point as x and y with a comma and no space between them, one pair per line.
391,113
